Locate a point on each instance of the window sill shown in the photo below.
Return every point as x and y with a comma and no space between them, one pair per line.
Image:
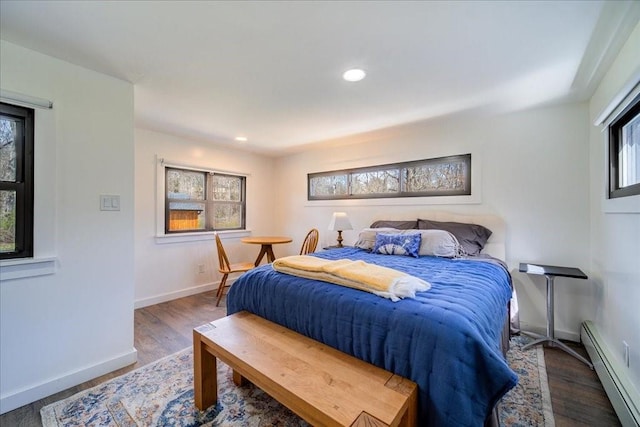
629,204
199,236
400,201
12,269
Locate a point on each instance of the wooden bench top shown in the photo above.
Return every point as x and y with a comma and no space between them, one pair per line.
322,385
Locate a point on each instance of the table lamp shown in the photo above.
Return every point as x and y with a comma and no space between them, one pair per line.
340,222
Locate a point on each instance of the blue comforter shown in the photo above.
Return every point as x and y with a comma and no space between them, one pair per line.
447,339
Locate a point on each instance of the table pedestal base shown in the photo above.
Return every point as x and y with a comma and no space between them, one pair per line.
550,272
553,342
550,337
268,251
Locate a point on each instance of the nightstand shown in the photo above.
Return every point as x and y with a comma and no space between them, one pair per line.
551,272
326,248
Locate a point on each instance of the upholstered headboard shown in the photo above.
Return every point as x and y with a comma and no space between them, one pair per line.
495,246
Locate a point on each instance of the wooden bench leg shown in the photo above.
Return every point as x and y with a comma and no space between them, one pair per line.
205,374
405,387
238,379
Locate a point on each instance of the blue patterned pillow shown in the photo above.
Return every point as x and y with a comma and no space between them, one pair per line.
398,244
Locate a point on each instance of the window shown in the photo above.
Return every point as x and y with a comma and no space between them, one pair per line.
16,181
443,176
624,152
203,201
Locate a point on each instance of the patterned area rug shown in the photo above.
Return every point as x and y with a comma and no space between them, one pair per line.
529,402
161,394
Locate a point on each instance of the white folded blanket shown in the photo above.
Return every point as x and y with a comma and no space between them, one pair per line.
381,281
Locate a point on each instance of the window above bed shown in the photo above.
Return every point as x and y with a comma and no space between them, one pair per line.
442,176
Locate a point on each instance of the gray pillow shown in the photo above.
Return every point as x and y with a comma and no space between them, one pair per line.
398,225
367,237
472,237
439,243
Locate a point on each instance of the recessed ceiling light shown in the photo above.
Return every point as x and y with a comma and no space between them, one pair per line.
241,138
354,75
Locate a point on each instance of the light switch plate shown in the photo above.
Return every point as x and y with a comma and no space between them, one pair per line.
109,202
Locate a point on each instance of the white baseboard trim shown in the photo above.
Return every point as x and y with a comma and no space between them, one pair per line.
542,330
25,396
621,392
170,296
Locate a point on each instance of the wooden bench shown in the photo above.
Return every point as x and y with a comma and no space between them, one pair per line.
322,385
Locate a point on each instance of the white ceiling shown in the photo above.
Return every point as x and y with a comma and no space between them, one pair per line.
271,71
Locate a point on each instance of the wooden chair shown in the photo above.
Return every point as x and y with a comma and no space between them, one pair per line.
310,242
226,268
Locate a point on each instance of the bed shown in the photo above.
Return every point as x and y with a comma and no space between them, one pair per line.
450,340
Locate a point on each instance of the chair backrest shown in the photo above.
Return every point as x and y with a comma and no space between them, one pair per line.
222,255
310,242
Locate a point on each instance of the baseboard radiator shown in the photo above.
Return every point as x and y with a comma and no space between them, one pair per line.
621,392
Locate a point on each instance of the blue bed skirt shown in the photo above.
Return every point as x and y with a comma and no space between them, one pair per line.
447,339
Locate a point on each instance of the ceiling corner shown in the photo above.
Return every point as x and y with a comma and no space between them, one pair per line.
617,21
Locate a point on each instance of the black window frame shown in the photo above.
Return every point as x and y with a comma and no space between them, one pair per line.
208,201
242,203
24,180
615,137
402,191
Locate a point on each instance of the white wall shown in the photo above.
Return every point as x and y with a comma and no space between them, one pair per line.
534,173
166,271
615,236
62,329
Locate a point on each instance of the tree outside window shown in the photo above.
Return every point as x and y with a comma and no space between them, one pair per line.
441,176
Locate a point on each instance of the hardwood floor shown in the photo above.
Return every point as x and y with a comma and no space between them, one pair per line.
577,396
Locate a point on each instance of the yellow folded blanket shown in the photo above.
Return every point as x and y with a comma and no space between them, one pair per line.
382,281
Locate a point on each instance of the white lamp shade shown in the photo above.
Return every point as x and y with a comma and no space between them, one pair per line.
340,222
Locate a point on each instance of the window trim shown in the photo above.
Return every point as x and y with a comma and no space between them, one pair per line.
11,269
24,184
161,237
200,236
614,130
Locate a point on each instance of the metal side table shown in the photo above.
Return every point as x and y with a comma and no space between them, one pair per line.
551,272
